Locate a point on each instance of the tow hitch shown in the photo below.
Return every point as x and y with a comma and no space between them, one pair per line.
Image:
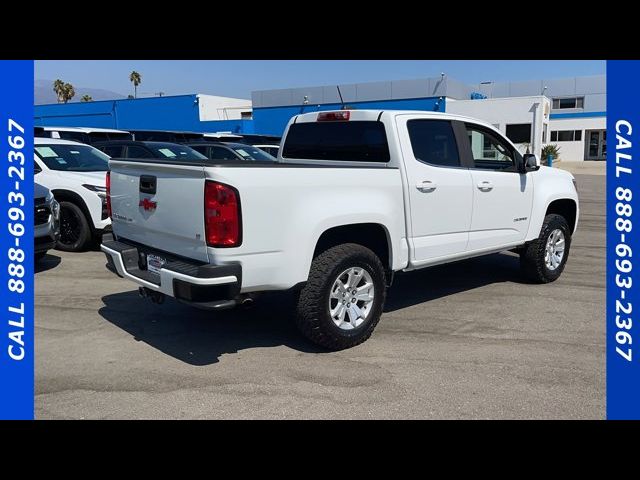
155,297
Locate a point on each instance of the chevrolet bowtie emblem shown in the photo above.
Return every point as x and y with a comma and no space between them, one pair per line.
148,204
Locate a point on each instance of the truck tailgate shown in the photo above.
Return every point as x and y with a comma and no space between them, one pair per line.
160,205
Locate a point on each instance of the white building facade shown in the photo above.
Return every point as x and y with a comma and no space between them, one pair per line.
577,121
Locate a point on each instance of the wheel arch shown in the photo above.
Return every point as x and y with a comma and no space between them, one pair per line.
566,208
64,195
373,236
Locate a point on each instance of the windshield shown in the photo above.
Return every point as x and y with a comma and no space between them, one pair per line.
173,151
249,152
73,158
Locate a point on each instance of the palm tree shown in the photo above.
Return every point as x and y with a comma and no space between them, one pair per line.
58,87
68,92
136,79
86,98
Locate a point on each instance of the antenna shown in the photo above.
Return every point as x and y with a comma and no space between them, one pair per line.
340,95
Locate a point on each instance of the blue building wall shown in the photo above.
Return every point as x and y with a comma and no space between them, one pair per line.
273,120
156,113
181,113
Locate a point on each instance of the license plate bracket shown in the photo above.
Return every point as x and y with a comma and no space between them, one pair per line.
155,263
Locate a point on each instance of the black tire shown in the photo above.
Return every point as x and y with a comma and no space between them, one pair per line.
532,258
313,317
75,232
40,256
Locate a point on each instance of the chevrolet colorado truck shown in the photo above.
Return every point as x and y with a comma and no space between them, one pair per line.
355,196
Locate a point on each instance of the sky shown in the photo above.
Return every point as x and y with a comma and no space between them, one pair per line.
238,78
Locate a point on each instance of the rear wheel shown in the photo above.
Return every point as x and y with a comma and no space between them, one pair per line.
75,232
342,302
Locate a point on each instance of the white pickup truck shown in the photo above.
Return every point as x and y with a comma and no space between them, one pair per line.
355,196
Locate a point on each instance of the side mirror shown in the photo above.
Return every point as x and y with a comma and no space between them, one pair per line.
531,162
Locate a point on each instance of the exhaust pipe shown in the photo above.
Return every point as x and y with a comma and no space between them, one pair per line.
246,302
155,297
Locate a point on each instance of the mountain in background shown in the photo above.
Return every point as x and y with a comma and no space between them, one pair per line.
43,93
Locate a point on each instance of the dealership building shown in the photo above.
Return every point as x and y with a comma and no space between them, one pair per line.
568,112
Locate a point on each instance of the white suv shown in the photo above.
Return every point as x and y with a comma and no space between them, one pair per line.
76,175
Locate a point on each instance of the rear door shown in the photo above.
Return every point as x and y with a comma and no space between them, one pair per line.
439,187
160,205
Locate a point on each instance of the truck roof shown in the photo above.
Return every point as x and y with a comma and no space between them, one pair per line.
56,141
81,129
373,115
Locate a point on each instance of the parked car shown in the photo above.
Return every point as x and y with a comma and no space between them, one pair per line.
75,173
270,149
358,196
171,136
135,149
232,152
46,221
88,135
221,137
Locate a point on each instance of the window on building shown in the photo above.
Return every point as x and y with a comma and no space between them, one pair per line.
434,142
570,102
566,136
519,132
246,115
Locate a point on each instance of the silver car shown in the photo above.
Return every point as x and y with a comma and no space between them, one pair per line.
46,219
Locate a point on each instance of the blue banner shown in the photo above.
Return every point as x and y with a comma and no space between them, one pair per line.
623,246
16,240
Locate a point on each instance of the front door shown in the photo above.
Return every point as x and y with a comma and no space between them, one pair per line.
502,197
596,145
438,189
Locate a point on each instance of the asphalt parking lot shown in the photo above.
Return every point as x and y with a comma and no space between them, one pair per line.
468,340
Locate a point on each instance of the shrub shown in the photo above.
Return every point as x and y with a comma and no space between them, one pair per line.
551,149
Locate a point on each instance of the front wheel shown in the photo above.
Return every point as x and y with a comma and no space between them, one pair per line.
544,259
342,302
75,232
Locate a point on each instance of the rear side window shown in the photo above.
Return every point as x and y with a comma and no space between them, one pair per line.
200,149
221,153
114,151
347,141
134,151
74,136
434,142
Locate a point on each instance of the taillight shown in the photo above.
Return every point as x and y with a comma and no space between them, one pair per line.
108,196
222,215
334,116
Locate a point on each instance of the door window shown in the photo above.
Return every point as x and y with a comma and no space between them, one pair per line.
488,150
434,142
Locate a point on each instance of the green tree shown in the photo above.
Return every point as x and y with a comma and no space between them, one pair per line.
136,79
68,92
86,98
58,87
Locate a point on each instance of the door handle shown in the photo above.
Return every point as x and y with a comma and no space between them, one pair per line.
485,186
426,186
